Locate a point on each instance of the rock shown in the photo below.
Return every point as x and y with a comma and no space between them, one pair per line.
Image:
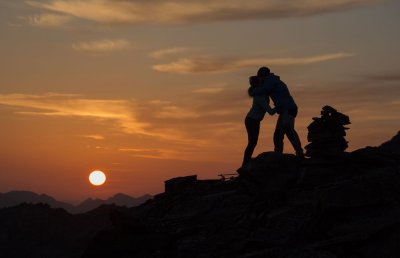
326,134
376,189
271,172
180,183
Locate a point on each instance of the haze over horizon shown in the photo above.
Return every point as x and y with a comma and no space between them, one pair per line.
146,91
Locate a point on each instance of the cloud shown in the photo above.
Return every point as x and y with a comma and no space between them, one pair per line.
395,103
207,64
101,46
49,20
211,90
176,113
156,153
388,77
162,53
54,104
184,11
159,102
94,136
122,115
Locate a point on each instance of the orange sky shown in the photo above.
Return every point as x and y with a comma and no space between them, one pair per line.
146,91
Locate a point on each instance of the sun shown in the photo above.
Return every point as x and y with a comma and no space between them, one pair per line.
97,178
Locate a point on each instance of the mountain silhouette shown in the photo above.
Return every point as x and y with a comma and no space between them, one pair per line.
118,199
14,198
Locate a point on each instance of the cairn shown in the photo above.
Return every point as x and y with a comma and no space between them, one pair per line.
326,134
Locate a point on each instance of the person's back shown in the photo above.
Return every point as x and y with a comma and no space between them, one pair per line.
259,107
278,91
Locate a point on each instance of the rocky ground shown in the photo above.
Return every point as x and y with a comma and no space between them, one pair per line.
346,205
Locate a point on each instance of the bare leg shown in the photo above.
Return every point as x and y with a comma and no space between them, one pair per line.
279,134
253,130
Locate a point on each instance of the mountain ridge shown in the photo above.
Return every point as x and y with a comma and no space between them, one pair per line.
16,197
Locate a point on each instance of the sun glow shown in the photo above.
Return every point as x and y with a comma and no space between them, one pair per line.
97,178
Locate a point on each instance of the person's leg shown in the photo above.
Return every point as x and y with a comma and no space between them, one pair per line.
289,122
279,133
253,130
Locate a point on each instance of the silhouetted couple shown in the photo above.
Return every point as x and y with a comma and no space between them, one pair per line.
262,87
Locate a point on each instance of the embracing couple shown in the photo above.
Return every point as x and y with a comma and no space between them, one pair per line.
264,86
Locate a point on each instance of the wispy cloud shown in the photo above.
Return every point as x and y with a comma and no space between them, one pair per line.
162,53
387,77
159,102
176,113
209,90
102,46
51,104
210,64
156,153
94,136
49,20
122,115
183,11
395,103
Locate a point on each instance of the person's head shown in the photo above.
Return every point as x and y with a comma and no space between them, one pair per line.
254,81
263,72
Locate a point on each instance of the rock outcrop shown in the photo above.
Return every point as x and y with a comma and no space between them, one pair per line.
392,146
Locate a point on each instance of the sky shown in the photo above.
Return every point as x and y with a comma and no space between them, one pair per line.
150,90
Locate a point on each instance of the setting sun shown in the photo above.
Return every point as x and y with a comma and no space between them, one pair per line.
97,178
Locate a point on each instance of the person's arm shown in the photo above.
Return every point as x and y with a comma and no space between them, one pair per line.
264,103
264,89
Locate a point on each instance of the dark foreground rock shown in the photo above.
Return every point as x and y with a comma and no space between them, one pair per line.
345,206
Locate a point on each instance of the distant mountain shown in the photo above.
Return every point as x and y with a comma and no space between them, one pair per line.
15,198
119,199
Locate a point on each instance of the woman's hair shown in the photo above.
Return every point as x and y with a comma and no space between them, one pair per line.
254,82
263,71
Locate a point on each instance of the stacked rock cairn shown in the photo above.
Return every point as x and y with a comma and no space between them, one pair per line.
326,134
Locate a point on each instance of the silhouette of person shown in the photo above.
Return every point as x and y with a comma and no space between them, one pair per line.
272,85
252,121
